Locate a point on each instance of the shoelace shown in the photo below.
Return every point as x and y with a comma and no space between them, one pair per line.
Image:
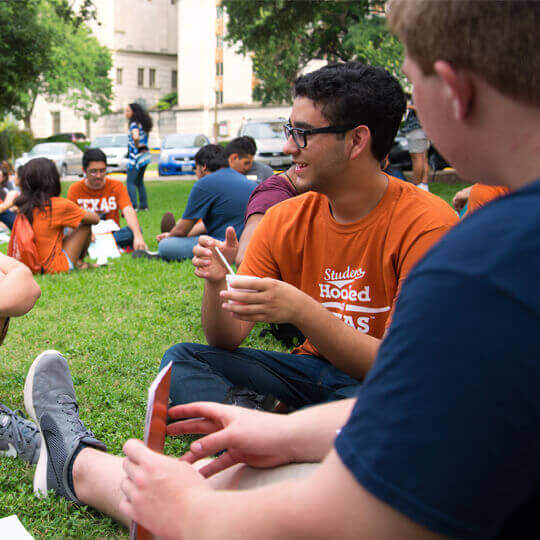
23,430
71,409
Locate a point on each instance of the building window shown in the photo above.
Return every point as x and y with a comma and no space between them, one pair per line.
219,41
174,79
219,69
140,77
219,97
152,78
219,12
119,74
55,122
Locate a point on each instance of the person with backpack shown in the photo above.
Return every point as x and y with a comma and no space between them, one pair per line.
38,232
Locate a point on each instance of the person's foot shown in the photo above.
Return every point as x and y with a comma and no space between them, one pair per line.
167,222
49,398
18,436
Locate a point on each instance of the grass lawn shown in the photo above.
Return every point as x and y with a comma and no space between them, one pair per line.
113,325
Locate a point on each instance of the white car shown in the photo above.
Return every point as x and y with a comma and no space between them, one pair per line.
270,139
115,147
66,156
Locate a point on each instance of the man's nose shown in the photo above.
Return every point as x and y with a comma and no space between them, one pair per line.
290,146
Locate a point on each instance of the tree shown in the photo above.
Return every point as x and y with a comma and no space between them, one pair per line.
284,35
24,46
76,69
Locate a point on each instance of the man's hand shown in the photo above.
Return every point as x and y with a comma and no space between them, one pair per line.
207,263
265,300
255,438
461,198
155,489
161,236
138,242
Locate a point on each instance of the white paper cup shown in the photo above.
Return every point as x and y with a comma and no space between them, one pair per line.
231,277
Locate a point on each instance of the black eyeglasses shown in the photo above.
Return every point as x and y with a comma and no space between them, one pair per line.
299,135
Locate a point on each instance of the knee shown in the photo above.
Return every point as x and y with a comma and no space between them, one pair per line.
179,353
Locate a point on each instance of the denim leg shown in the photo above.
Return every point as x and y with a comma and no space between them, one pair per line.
8,217
177,248
143,200
131,185
201,372
123,237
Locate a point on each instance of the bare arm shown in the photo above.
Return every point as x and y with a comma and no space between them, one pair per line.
18,289
9,201
220,329
258,438
198,229
133,224
136,136
90,218
182,228
171,500
247,233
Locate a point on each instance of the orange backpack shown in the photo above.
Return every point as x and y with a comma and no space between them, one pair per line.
22,246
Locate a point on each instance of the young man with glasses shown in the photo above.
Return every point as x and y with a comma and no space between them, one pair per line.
107,198
331,261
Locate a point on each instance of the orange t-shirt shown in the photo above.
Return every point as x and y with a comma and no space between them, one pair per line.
481,194
48,226
105,202
354,270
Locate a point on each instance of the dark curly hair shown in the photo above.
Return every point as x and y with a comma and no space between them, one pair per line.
39,182
140,116
213,156
358,94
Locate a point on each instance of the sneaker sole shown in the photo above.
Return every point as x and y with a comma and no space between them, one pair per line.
40,476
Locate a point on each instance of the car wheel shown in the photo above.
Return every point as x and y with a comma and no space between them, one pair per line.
63,170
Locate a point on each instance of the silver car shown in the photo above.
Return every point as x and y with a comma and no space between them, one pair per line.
115,147
66,156
270,139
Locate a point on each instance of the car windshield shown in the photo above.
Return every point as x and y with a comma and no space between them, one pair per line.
265,130
49,149
179,141
105,141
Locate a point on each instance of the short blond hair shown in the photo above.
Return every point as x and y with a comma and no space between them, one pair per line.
495,39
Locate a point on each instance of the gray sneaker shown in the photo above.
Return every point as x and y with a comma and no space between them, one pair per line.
18,436
49,398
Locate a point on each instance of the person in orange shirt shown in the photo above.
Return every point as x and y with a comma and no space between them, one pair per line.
332,261
106,197
473,197
49,214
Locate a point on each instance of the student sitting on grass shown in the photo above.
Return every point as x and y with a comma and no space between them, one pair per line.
49,214
107,198
18,293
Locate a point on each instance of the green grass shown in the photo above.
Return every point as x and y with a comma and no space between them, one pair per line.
113,325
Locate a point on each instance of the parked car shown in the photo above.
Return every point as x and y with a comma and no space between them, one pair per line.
270,139
178,151
399,155
71,136
66,156
115,146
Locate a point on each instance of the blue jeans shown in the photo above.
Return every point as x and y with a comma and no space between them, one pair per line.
177,248
123,237
202,372
135,182
8,217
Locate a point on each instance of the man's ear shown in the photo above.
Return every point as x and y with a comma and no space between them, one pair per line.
459,87
360,141
233,157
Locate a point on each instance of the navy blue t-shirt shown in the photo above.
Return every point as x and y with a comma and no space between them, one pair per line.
446,428
220,200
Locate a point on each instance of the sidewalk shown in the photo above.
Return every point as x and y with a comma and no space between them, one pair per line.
150,176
